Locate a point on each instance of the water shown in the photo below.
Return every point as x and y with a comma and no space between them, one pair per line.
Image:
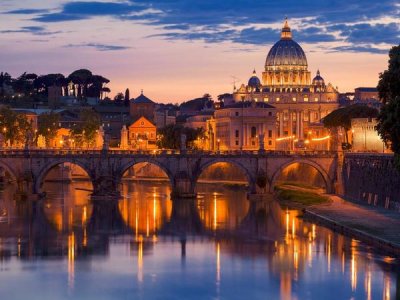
149,247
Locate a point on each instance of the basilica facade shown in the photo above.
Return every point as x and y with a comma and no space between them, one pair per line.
300,101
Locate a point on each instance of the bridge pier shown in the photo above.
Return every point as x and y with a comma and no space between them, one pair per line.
183,187
105,188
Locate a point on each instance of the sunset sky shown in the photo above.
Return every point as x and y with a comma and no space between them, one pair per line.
177,50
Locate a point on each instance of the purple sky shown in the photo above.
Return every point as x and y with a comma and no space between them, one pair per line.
176,50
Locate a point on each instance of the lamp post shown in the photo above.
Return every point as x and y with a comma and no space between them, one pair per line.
218,142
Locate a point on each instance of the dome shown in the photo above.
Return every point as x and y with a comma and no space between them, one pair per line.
318,80
286,52
254,81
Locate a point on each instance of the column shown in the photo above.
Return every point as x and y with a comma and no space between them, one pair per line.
298,124
281,116
301,125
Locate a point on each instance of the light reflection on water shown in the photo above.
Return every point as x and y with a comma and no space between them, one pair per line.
147,246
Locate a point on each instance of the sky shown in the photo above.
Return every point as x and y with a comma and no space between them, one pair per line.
176,50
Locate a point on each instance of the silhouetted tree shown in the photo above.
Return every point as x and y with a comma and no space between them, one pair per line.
389,92
119,97
127,98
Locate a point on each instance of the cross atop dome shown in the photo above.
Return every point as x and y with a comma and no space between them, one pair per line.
286,32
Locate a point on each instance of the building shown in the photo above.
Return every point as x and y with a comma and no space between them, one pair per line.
113,117
142,107
300,102
54,96
142,134
164,116
241,125
365,138
366,93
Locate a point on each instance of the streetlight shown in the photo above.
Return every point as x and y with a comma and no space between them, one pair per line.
218,142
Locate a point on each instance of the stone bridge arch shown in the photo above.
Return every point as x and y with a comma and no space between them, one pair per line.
321,170
157,162
41,174
13,173
247,170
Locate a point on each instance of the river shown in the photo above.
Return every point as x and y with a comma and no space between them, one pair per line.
146,246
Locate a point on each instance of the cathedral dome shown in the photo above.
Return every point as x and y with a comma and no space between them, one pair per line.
286,52
254,81
318,80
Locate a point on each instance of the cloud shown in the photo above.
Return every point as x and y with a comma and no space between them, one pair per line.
26,11
369,33
35,30
99,47
251,22
367,49
74,11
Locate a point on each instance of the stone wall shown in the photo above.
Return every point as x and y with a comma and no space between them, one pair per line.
373,179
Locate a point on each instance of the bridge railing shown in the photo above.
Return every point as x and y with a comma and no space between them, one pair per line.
160,152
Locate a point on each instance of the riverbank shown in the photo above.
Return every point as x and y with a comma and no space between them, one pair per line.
374,226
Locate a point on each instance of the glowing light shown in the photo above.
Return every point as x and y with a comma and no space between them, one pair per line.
140,259
386,290
285,138
321,139
353,272
215,212
71,261
368,284
313,231
218,263
154,212
329,253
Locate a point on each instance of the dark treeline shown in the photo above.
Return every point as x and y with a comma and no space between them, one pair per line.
80,84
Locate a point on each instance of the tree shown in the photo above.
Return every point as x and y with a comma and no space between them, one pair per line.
43,82
48,124
170,136
389,92
84,132
81,77
14,127
119,97
127,98
342,117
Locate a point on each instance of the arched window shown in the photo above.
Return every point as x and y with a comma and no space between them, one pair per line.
253,132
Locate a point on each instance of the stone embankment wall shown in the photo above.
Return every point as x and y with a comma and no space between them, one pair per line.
372,178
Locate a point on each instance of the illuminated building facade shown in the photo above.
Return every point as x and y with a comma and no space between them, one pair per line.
241,125
300,102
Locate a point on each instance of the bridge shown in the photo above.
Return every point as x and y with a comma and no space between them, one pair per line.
105,168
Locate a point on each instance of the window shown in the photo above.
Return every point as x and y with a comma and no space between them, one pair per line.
294,99
270,113
236,113
270,133
305,99
253,132
266,99
237,143
316,99
277,99
236,133
270,143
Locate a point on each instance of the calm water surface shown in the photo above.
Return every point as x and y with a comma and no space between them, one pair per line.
149,247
